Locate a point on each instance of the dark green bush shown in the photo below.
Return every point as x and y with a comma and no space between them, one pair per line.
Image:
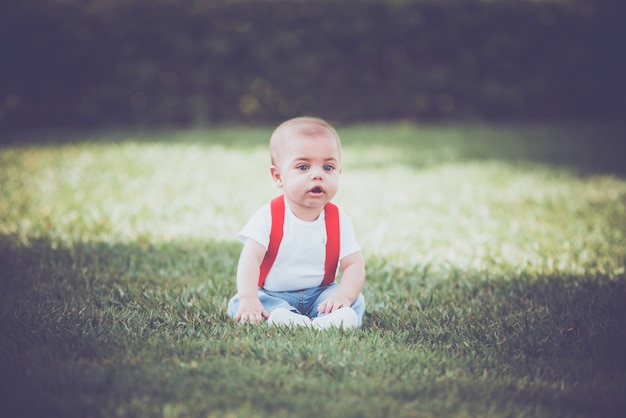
173,62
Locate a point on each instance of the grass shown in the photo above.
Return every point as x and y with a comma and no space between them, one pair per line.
495,260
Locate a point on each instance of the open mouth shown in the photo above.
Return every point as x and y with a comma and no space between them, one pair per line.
317,190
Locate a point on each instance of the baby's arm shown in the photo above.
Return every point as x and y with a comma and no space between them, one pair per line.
250,307
352,279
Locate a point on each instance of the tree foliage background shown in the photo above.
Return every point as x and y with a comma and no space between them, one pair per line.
194,62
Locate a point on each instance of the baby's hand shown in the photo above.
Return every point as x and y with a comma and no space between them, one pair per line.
333,303
251,310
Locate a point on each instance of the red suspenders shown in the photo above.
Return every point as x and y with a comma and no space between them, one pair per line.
277,208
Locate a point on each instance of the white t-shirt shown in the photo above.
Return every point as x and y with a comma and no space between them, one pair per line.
300,260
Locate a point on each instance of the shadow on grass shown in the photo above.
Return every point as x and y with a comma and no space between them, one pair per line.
585,148
582,148
69,315
74,319
555,341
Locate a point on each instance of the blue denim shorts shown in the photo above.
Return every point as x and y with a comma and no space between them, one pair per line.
304,302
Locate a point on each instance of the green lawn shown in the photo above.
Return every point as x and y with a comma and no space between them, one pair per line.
495,257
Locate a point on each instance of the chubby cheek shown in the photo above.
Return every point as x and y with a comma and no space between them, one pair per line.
333,182
295,183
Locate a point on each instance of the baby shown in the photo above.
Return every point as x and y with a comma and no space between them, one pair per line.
294,245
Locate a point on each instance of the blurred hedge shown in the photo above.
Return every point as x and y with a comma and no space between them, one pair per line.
172,62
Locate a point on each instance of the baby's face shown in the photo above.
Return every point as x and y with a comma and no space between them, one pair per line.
307,170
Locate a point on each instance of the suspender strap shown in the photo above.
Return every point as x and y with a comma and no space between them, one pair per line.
332,243
277,209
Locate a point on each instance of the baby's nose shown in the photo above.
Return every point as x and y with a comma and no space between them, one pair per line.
317,173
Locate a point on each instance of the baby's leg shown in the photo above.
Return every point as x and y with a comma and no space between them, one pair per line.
270,303
358,305
281,311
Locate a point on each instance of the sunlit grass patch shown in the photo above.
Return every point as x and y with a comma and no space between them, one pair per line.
121,192
477,215
495,277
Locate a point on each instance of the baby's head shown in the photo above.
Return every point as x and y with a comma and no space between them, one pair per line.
306,163
293,129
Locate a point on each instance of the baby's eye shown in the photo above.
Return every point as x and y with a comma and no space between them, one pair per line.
303,167
329,167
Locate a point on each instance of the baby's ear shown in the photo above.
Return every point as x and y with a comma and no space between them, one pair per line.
275,172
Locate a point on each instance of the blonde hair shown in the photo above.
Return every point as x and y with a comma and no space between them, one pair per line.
303,125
